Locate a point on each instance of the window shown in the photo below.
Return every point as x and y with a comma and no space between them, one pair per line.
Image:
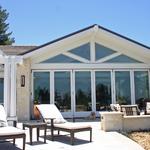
62,91
102,51
122,59
83,91
61,59
122,84
141,85
41,87
82,51
103,90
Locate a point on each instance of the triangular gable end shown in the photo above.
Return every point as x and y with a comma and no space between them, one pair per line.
82,53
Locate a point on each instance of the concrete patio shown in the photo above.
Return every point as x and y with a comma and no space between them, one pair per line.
101,140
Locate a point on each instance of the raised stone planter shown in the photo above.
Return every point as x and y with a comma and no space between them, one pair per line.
116,121
111,121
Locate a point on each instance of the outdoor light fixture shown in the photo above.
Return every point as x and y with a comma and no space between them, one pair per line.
22,80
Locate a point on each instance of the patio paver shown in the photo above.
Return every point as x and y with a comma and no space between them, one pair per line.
101,139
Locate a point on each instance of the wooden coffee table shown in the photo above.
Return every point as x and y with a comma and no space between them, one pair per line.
38,126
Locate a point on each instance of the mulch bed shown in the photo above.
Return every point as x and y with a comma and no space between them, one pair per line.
141,137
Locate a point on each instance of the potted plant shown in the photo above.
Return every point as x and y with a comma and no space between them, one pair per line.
35,110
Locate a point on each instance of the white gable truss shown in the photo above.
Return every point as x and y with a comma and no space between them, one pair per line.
93,35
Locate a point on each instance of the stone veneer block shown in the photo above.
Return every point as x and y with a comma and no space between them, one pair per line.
111,121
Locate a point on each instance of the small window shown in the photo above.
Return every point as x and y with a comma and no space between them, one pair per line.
61,59
122,59
82,51
102,51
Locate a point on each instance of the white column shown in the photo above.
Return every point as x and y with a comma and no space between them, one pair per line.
13,88
7,85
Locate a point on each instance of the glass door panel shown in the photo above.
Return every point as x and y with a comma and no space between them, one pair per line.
122,85
141,86
62,91
1,90
103,90
83,91
41,87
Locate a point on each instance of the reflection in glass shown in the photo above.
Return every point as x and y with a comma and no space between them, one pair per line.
122,59
102,51
82,51
141,85
103,90
83,91
123,94
41,87
60,59
62,91
1,90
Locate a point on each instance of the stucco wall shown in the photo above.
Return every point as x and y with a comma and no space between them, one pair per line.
23,93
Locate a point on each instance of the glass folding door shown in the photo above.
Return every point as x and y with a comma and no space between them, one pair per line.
122,87
41,87
83,91
103,90
62,90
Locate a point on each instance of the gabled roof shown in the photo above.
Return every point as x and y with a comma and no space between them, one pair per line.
79,31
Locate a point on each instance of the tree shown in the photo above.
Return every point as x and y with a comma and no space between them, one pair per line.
5,38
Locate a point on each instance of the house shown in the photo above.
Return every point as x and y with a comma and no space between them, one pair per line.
82,72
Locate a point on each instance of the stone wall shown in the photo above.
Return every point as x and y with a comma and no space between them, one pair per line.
23,93
116,121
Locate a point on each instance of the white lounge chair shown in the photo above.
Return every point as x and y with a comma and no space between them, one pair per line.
9,132
52,116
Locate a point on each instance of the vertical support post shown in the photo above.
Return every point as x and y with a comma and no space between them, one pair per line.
13,88
7,84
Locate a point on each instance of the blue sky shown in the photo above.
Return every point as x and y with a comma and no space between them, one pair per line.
36,22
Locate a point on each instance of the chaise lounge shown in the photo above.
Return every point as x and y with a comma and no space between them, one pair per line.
8,132
55,121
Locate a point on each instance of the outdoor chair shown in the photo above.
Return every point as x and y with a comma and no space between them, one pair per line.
130,110
9,132
115,107
147,110
55,121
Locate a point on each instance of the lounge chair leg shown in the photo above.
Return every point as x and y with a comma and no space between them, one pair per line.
58,132
72,138
24,141
38,130
91,135
52,129
14,141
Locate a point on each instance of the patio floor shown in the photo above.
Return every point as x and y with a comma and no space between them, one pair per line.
102,140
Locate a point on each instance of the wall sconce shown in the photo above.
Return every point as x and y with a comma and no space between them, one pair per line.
22,80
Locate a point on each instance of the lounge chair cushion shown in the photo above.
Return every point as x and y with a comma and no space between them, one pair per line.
71,125
3,120
2,123
10,131
49,111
